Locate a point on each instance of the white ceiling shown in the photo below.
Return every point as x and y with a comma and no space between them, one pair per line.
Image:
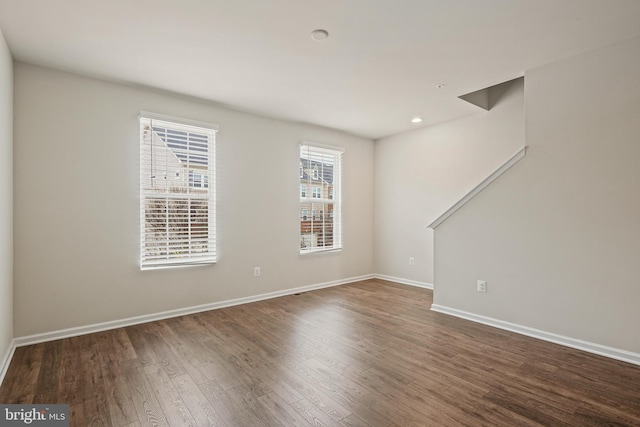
379,67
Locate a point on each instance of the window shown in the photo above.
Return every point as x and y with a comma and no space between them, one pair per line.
198,180
303,191
322,230
177,216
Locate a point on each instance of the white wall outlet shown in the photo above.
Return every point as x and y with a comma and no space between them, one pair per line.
412,261
482,286
256,271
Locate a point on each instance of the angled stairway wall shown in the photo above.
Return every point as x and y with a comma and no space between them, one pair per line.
557,237
421,174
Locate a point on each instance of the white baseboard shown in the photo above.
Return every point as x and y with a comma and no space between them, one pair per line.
105,326
404,281
6,360
610,352
613,353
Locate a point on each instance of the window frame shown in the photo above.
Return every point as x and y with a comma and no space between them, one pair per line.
327,210
197,245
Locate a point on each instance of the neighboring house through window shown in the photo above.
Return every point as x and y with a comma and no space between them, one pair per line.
198,180
177,215
321,170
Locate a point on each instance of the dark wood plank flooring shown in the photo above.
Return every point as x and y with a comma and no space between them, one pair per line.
365,354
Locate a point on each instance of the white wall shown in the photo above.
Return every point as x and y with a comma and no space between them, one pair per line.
420,174
76,218
558,236
6,199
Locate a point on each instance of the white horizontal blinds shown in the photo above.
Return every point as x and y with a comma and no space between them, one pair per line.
320,198
177,193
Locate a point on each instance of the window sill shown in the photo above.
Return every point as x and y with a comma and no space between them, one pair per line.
181,265
320,251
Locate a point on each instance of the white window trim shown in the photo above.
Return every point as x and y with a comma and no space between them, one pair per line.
178,120
209,257
336,214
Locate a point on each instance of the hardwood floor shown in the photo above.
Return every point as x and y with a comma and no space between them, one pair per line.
365,354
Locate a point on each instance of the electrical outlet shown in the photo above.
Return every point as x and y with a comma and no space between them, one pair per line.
412,261
482,286
256,271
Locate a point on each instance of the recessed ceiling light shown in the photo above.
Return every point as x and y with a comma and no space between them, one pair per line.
416,120
319,34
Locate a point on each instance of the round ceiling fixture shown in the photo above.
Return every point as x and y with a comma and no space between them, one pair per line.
416,120
319,34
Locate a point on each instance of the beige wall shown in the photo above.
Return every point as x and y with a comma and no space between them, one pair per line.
76,219
6,199
420,174
557,238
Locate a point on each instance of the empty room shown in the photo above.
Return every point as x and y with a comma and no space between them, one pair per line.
300,213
